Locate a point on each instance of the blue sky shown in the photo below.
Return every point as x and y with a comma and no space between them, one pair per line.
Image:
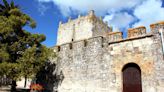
121,14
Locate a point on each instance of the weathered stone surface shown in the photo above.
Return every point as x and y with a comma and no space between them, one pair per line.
82,28
134,32
114,36
95,64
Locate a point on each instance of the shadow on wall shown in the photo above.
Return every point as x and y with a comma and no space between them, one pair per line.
49,78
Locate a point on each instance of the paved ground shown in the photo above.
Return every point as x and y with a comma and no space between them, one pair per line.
7,89
4,89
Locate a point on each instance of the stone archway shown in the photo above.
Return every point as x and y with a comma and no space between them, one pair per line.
131,73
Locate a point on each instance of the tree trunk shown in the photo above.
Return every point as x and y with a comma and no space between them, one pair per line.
25,82
13,86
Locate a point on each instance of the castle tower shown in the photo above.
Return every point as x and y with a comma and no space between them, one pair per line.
83,27
103,61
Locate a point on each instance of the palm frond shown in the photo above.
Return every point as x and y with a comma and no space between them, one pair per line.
12,4
6,4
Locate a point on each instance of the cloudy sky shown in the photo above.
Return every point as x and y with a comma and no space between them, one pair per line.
121,14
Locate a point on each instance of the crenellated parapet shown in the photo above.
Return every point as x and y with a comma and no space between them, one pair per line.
91,16
92,57
134,32
81,28
89,26
83,43
156,26
115,37
95,62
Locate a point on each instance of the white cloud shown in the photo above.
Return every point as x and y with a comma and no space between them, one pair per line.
146,11
100,6
119,20
42,8
149,12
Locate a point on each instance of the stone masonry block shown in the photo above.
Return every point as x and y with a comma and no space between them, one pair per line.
115,36
134,32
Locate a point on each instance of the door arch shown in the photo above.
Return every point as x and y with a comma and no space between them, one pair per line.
131,73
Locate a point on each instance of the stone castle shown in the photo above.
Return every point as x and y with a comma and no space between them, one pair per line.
93,58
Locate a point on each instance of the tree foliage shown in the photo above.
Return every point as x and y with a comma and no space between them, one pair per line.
21,53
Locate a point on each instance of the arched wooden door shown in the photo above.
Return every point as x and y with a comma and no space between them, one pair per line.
132,78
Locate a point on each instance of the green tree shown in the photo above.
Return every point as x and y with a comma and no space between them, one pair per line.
21,53
32,60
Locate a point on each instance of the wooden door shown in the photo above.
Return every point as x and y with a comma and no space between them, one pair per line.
132,78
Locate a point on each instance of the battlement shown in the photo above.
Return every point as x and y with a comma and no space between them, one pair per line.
91,17
134,32
115,37
161,23
83,27
89,26
92,56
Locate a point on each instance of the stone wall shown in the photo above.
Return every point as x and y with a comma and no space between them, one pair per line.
95,64
83,27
